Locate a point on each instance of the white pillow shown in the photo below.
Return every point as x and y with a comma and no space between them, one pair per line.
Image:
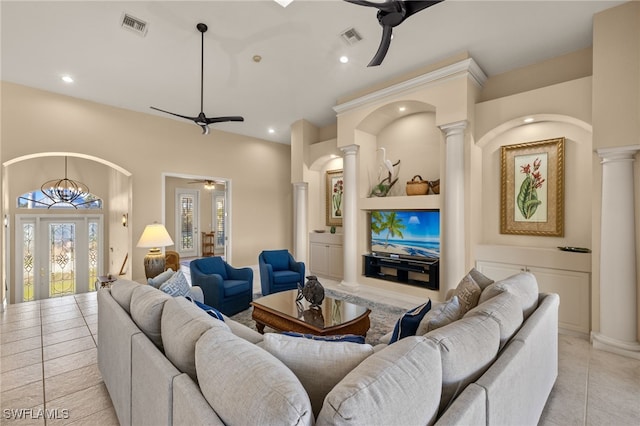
160,279
177,285
319,365
440,315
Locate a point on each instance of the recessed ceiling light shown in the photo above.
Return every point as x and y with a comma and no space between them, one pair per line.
402,109
283,3
271,130
529,120
344,59
67,79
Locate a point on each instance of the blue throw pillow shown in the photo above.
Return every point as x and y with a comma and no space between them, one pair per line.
208,309
408,324
352,338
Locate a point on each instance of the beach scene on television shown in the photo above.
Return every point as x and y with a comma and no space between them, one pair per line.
406,233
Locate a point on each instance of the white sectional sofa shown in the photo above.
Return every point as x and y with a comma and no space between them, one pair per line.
166,361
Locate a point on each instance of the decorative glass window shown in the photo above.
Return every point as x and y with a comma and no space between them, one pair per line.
28,277
186,222
36,199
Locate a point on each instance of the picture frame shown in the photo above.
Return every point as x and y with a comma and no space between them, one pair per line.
334,197
532,188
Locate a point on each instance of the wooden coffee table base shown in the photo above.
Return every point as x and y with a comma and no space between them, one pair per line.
279,322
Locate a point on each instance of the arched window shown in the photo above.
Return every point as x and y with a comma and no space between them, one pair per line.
36,199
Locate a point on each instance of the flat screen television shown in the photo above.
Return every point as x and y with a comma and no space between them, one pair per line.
405,234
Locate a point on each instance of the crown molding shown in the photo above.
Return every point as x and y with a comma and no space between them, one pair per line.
468,68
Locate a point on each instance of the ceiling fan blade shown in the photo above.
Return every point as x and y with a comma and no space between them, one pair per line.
223,119
173,113
417,6
383,48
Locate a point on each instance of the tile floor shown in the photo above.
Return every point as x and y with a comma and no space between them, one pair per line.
48,364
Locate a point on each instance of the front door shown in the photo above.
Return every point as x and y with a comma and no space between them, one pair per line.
60,255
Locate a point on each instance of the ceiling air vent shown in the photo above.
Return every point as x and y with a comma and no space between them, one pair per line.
134,24
350,36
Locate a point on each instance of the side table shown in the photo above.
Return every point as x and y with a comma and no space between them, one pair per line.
104,281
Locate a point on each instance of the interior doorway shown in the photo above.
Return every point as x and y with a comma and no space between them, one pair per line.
195,205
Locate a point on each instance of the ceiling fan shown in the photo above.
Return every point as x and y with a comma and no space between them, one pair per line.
391,13
208,183
202,120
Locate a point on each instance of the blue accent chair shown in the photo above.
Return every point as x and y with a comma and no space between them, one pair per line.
279,271
228,289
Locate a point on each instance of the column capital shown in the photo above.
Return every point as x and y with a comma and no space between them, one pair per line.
618,153
300,185
457,127
349,149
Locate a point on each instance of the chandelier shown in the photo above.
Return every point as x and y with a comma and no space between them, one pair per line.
65,190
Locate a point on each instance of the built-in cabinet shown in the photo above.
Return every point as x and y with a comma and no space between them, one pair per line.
326,255
567,274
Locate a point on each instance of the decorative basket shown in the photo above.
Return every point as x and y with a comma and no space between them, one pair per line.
435,186
417,186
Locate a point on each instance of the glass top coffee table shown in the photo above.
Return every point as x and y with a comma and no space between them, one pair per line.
281,312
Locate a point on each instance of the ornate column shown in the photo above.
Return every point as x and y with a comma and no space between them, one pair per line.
452,256
350,217
618,279
300,233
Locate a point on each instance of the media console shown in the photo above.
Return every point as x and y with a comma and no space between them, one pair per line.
421,273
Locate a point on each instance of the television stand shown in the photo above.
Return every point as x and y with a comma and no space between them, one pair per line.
421,273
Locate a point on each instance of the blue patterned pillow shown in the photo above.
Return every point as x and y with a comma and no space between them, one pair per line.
353,338
177,285
408,324
208,309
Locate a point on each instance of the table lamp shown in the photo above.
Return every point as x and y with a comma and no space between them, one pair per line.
154,237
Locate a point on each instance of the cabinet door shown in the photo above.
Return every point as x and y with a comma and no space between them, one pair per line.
573,289
319,258
498,271
336,261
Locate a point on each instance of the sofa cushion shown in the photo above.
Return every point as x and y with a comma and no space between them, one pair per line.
523,285
318,365
146,311
505,310
278,259
467,347
286,277
183,323
158,280
177,285
121,291
264,390
398,385
468,293
235,287
440,315
408,324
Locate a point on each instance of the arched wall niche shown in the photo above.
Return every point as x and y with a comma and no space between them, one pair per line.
578,178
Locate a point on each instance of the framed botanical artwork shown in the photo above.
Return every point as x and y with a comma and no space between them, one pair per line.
335,190
532,188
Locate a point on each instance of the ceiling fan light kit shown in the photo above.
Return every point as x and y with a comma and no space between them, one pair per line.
201,119
391,14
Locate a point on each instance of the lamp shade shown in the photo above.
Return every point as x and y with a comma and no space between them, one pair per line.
155,235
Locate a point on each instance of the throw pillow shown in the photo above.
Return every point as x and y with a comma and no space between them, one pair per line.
158,280
482,280
440,316
177,285
208,309
523,285
352,338
318,365
468,293
408,324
